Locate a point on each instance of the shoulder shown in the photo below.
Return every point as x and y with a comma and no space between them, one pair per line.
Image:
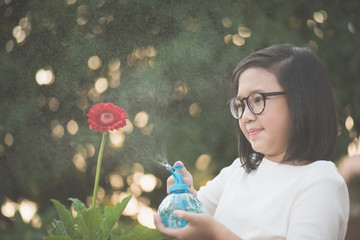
323,170
322,197
322,181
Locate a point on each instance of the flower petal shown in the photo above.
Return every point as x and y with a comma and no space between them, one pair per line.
105,117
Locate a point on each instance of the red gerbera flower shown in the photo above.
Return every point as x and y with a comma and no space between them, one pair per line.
106,116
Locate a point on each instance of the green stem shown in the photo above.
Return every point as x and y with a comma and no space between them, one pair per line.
98,168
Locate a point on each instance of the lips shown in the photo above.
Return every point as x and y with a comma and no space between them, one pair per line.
254,131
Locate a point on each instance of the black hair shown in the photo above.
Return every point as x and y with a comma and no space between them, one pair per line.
313,128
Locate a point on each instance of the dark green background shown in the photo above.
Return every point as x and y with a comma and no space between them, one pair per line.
188,37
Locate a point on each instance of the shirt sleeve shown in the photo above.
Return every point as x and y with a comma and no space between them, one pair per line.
320,211
210,194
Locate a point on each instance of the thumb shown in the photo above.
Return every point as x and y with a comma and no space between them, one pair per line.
187,216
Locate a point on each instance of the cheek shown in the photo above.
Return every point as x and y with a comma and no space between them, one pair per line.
243,129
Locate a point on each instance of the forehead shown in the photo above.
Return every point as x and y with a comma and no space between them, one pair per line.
257,79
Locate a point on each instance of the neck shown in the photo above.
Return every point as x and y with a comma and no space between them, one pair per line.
275,157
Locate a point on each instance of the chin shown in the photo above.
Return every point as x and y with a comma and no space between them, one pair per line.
257,149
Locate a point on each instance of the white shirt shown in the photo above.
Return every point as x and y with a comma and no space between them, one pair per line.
279,201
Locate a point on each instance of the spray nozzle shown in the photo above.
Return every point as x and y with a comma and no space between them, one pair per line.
179,186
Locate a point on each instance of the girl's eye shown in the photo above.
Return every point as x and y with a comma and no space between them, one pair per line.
258,99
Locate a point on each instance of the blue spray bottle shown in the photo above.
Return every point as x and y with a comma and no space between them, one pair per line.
178,199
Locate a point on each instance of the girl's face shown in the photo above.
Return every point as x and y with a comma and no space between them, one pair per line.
267,132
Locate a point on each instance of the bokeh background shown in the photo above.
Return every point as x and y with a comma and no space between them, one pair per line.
168,64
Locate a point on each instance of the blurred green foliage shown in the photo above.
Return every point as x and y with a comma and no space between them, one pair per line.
172,54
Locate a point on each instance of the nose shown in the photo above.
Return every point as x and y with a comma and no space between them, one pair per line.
248,115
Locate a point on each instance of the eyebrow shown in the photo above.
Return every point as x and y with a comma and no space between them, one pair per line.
254,91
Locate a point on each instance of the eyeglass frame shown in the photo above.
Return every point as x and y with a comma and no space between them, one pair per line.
264,96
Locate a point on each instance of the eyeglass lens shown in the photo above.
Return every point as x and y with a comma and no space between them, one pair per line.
255,102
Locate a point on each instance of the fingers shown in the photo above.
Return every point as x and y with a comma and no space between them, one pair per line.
157,221
187,178
161,227
187,216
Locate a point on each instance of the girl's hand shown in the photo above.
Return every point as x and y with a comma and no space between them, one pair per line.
187,179
200,226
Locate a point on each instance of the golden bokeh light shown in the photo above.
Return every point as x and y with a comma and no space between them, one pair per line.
351,27
311,23
238,40
70,2
148,182
19,34
352,149
94,62
180,90
195,110
320,16
226,22
132,207
137,177
72,127
9,46
203,162
9,140
58,131
101,194
148,129
41,100
135,189
82,103
140,53
94,95
90,149
313,45
25,25
101,85
141,119
27,210
81,21
319,32
79,162
44,77
36,222
9,208
114,65
142,57
80,149
116,181
146,217
54,104
244,32
150,51
129,127
137,168
117,138
349,123
115,77
228,38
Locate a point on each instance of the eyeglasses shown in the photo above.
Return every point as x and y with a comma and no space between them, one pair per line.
255,101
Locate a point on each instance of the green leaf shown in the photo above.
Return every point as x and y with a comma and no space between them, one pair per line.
79,206
58,238
66,218
88,223
57,228
112,215
139,233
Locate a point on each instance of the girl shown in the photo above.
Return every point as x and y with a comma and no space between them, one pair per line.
283,185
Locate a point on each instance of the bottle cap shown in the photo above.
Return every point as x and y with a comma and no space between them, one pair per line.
179,186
